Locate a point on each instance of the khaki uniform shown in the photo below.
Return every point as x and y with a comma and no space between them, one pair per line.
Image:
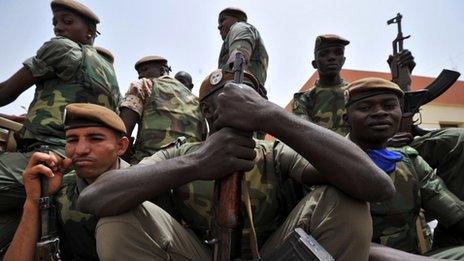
151,233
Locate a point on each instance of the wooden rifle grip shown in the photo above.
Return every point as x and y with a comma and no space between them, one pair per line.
230,200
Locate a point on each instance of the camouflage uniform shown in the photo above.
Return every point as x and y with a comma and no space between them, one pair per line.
417,185
244,35
67,72
75,229
275,167
171,111
324,106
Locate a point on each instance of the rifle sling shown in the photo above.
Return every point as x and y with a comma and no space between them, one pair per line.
253,238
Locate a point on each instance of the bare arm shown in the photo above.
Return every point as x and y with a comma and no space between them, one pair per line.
27,234
382,253
118,191
15,85
342,163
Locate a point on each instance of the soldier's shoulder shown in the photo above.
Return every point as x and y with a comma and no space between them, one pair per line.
406,151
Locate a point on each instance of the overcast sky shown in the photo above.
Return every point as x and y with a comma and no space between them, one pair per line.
185,32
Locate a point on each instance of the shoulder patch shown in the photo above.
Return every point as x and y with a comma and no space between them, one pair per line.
406,150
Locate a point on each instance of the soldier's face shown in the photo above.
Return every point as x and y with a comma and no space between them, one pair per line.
225,22
149,70
72,26
374,120
94,150
329,60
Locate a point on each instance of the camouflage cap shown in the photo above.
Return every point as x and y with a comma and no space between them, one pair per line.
327,40
218,78
78,115
105,53
75,7
234,12
150,58
368,87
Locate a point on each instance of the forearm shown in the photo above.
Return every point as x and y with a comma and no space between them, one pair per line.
24,242
341,162
15,85
118,191
380,253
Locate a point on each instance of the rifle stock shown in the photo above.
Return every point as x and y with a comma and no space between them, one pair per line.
228,217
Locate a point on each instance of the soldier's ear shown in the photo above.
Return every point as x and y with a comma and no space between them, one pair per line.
123,144
314,64
344,59
346,118
206,109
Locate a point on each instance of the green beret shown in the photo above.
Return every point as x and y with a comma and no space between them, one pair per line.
234,12
75,7
150,58
368,87
218,78
80,115
105,53
327,40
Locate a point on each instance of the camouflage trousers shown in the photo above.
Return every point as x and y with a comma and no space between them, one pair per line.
341,224
12,193
444,150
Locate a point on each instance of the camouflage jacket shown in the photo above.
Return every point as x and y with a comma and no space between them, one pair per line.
244,35
275,164
171,111
417,186
75,229
323,105
66,72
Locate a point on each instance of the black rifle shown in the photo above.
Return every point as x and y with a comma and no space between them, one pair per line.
48,247
413,100
228,223
400,75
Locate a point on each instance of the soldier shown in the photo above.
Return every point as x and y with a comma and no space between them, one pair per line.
240,36
324,105
373,116
182,177
65,69
185,78
162,106
94,141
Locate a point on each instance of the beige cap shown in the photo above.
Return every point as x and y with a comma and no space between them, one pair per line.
368,87
150,58
79,115
76,7
218,78
327,40
105,53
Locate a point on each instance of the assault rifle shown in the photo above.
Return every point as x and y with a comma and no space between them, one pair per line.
413,100
48,247
228,227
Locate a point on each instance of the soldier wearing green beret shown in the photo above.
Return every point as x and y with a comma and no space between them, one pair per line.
373,116
181,179
163,108
94,141
323,104
240,36
65,69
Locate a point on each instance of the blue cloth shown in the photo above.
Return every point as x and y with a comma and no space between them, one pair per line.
385,159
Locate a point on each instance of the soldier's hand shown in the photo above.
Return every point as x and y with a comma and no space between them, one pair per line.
403,59
241,107
400,139
224,152
48,165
